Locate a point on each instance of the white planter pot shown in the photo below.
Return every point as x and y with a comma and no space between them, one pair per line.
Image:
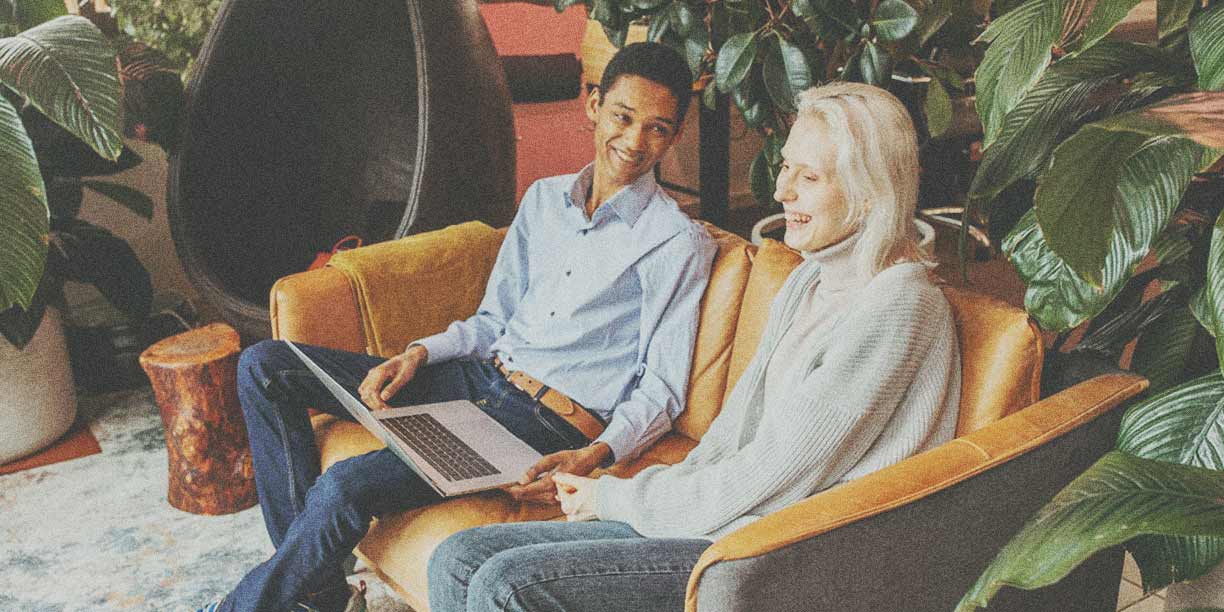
37,396
926,233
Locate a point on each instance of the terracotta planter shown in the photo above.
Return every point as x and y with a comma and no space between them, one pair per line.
37,396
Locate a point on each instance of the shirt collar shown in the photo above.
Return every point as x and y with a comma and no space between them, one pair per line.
629,203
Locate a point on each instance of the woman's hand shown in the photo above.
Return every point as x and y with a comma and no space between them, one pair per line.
384,380
577,496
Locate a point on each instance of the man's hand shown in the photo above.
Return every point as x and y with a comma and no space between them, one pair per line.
577,496
384,380
537,484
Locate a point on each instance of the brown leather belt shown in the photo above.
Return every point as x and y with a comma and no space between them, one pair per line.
554,400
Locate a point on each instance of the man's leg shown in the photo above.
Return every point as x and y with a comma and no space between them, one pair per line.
315,522
551,566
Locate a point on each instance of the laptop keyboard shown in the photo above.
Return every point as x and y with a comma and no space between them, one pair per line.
441,449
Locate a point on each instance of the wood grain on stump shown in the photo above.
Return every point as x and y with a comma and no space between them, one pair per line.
194,376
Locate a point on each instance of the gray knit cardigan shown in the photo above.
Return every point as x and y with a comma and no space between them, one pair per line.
883,384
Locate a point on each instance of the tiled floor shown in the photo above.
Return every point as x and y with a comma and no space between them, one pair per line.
1130,596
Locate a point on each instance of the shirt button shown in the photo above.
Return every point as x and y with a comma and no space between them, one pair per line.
568,272
552,313
583,232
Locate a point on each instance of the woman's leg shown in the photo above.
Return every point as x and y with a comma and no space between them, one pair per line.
552,566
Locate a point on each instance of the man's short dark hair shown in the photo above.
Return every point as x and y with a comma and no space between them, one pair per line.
656,62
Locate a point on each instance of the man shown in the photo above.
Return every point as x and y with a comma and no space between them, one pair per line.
594,294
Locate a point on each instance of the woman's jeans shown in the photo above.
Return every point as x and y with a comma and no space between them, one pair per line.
600,566
316,521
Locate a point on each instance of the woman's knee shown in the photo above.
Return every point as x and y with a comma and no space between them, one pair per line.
455,560
494,584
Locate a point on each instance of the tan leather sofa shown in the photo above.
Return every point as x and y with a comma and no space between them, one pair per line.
910,537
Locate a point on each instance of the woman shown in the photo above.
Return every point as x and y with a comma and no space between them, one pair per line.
857,369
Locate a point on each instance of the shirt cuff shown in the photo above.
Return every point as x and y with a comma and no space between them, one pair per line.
618,438
439,348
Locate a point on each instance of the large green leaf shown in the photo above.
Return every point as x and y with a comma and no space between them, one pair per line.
1183,425
66,68
1213,290
1113,186
24,216
1057,296
734,60
1118,498
1020,44
1207,47
1031,129
1172,15
1105,16
786,72
1201,307
1163,349
894,20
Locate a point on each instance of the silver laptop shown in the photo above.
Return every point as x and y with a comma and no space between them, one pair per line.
454,446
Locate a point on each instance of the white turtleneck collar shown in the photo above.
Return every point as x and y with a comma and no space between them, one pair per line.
839,269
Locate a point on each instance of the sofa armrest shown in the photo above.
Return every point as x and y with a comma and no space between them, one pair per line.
317,307
924,528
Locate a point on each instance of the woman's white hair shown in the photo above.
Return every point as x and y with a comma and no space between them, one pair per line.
877,166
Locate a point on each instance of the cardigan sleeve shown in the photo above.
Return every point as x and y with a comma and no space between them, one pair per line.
808,441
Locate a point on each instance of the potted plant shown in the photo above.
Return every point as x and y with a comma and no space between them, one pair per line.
60,120
1108,154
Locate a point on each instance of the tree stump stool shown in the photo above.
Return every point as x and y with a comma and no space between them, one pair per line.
194,376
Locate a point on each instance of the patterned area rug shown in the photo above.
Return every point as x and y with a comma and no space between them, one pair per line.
96,534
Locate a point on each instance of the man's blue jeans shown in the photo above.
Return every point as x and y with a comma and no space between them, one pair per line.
551,566
316,521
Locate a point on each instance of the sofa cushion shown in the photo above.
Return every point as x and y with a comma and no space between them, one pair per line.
771,264
1001,355
720,308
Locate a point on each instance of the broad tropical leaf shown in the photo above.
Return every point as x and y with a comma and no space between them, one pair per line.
1183,425
894,20
67,70
734,59
1213,290
1031,129
1172,15
786,72
1118,498
1105,16
1020,44
93,255
1164,348
1207,47
1056,294
24,216
1201,307
1113,186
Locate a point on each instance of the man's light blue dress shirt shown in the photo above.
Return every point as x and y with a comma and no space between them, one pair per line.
603,309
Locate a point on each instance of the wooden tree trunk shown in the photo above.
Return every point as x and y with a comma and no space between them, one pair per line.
194,378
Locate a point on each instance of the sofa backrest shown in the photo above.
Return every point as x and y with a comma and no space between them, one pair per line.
1001,351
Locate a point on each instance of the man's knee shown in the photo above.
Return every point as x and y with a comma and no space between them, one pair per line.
496,583
254,358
